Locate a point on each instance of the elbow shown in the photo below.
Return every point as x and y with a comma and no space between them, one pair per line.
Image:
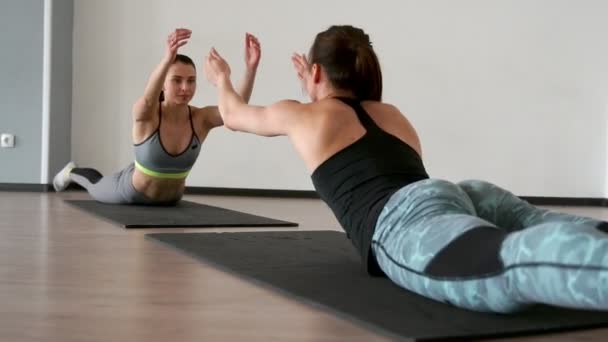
141,109
230,127
229,121
143,104
147,102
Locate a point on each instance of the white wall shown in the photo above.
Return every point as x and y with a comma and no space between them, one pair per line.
510,91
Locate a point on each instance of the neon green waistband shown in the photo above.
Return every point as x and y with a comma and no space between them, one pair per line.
151,173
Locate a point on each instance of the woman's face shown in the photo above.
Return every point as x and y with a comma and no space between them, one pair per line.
180,83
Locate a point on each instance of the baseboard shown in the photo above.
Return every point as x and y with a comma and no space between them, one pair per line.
217,191
198,190
567,201
26,187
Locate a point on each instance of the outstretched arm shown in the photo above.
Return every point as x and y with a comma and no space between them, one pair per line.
237,115
245,88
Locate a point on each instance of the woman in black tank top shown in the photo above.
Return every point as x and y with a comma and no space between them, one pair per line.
471,244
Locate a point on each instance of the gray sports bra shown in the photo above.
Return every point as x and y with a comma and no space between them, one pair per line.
152,159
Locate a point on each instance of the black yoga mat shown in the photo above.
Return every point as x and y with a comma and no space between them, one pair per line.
184,214
321,267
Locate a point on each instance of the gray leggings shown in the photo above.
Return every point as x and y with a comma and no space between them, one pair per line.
115,189
479,247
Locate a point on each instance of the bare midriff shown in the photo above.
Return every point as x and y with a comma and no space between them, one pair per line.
159,189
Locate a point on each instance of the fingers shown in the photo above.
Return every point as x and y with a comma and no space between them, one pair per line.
252,38
173,46
215,66
210,72
297,59
301,58
183,31
207,63
178,36
215,59
299,62
252,41
215,55
210,60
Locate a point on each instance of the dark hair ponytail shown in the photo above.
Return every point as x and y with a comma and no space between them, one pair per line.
367,70
347,56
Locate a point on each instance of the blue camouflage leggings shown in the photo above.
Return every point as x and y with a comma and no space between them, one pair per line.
479,247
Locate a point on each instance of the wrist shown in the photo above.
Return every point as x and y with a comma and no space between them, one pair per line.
223,81
167,59
251,70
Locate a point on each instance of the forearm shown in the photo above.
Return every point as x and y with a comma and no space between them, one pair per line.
155,82
239,116
245,87
229,100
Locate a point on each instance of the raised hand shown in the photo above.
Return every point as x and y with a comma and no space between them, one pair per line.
176,39
253,52
302,67
216,67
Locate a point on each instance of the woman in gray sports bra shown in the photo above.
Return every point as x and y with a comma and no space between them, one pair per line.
167,133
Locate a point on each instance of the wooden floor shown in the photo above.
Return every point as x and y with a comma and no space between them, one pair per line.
68,276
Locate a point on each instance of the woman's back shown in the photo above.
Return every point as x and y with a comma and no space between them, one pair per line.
328,126
366,169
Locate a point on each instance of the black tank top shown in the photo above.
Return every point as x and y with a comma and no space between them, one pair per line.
357,181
